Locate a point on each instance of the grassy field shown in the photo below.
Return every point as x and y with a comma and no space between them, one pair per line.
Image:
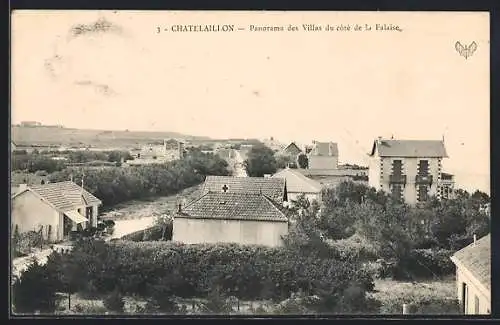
393,294
96,138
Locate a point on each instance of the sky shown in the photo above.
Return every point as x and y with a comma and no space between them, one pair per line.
347,87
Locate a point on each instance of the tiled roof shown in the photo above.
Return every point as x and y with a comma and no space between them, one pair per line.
325,149
409,148
298,183
292,148
477,259
64,196
233,206
273,188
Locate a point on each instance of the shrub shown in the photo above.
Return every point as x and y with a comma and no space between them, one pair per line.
89,309
115,184
427,263
135,236
34,291
109,223
217,302
435,306
154,233
355,247
114,302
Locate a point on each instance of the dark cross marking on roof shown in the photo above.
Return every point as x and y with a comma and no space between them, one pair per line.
225,188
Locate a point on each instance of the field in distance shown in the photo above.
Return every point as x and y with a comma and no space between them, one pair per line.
45,136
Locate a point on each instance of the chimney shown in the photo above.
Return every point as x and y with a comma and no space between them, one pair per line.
475,239
179,207
379,138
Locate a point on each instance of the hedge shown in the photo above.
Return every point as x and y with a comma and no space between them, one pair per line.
150,234
114,185
427,263
188,271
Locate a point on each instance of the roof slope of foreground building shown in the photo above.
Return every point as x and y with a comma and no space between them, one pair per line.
325,149
273,188
63,196
477,259
298,183
233,206
409,148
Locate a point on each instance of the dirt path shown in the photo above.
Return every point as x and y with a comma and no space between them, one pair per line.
125,227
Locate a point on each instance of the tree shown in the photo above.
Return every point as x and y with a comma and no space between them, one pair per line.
283,161
260,161
34,291
303,161
387,228
164,221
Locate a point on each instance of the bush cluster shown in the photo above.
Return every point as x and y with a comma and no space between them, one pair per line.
426,263
164,269
116,184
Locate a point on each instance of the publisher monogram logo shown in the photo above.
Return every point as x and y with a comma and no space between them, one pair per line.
466,50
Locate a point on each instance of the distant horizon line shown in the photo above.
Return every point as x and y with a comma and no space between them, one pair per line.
312,140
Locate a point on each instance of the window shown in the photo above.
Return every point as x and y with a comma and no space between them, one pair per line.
397,166
423,167
476,305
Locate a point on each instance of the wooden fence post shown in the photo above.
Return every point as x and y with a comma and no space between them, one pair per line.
406,309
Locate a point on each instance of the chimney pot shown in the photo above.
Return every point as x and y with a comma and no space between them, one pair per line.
475,239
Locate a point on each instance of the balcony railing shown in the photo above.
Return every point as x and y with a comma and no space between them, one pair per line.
397,179
423,179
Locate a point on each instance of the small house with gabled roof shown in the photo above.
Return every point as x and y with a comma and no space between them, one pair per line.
56,209
292,150
250,218
297,184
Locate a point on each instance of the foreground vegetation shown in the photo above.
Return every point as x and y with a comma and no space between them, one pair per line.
333,258
161,271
